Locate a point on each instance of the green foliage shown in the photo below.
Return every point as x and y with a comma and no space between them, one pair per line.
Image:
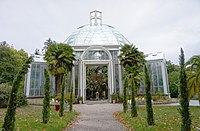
46,101
125,105
71,99
114,96
121,98
28,119
5,90
10,62
132,60
59,59
194,76
62,96
9,120
4,94
173,74
174,83
184,102
66,97
149,109
167,118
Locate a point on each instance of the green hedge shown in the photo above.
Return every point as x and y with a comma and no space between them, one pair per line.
4,96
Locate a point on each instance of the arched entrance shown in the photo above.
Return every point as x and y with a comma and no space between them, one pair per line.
96,56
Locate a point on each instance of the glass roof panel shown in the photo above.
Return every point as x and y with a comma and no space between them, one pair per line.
96,35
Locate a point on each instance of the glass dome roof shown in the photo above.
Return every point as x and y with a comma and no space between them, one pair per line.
88,35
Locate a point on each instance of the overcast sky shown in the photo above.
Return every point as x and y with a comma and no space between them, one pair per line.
152,25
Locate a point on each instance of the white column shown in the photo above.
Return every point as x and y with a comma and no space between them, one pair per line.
73,79
120,79
109,82
84,83
28,81
81,78
112,77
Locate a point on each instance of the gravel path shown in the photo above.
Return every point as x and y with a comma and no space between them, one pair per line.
97,117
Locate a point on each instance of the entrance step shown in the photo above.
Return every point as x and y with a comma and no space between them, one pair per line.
88,102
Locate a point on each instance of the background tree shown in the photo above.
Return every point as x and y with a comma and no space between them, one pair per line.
149,109
184,102
10,62
173,74
194,76
9,120
46,101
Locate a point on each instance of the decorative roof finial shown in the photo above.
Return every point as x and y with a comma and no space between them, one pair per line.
95,18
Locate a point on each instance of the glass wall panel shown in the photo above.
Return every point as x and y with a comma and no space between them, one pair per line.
96,55
37,80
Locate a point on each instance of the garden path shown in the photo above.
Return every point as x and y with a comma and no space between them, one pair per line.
97,117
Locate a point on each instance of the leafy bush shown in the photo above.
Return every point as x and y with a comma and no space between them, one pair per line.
121,98
5,90
114,96
4,94
66,97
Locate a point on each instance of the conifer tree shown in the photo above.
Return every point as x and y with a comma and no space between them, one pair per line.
46,101
62,95
9,120
149,109
183,91
125,106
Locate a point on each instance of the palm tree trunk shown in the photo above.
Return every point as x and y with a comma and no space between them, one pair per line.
133,102
125,106
58,84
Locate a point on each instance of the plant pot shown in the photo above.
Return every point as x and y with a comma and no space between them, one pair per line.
113,101
80,102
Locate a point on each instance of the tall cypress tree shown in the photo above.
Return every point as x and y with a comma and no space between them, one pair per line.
125,106
62,96
9,120
183,91
46,104
149,109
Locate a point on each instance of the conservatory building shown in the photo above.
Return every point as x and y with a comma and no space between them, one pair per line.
97,73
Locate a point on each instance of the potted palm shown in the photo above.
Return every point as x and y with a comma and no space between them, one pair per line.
114,98
80,99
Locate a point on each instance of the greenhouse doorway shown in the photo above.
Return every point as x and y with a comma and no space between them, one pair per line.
96,82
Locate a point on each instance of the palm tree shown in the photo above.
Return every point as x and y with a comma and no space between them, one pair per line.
194,76
59,59
132,60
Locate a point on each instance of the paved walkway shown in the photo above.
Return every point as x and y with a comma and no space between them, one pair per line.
97,117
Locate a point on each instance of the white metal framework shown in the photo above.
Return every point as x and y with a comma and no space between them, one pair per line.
98,44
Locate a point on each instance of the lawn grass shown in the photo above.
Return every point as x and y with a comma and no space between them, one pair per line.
29,118
167,118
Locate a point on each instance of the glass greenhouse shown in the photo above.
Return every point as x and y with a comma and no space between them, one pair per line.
97,73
